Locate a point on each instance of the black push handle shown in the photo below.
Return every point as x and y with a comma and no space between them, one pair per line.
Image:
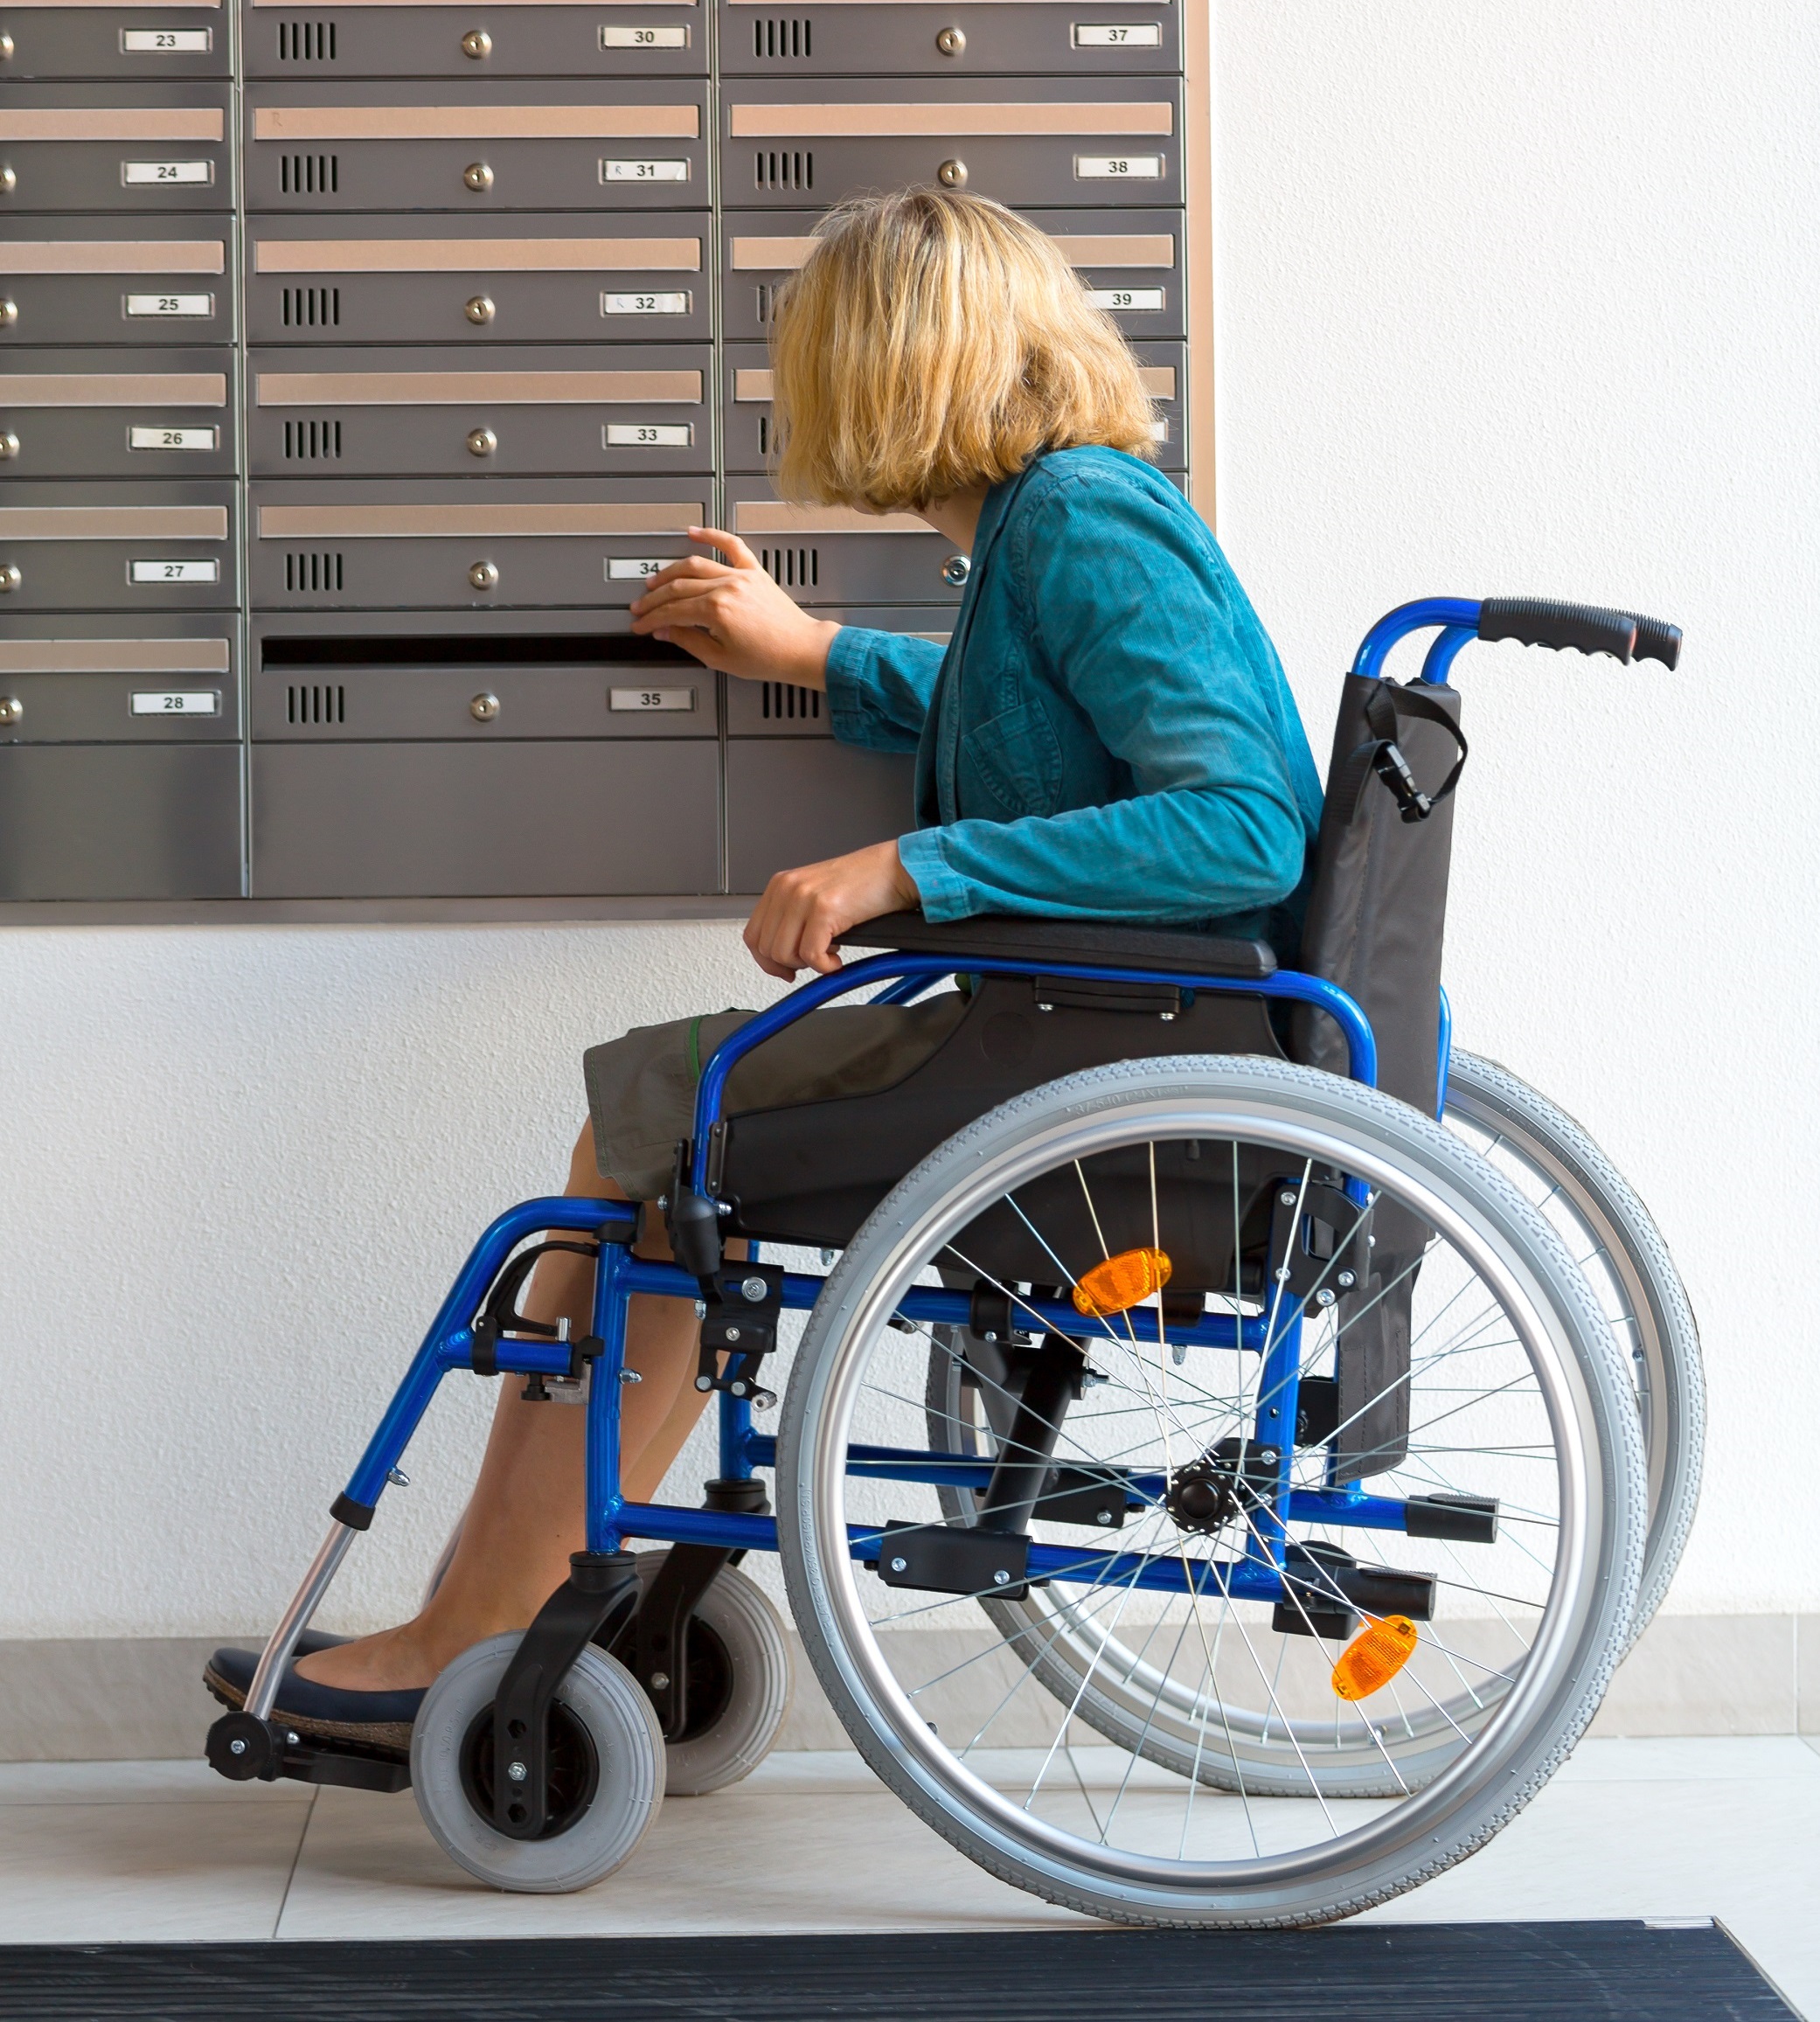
1542,621
1657,640
1585,628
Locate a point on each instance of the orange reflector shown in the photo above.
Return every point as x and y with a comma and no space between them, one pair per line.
1374,1657
1127,1279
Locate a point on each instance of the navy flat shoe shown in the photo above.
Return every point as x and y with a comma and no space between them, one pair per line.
366,1719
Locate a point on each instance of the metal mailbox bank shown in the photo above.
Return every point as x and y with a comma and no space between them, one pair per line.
358,363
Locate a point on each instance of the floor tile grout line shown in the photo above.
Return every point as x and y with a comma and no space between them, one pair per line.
297,1855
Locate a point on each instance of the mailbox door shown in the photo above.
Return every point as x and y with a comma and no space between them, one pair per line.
114,281
548,279
115,146
119,414
516,410
650,38
492,146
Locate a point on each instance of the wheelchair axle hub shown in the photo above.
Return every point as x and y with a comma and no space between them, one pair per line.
1204,1495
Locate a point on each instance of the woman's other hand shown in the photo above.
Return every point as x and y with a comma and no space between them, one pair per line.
732,617
803,910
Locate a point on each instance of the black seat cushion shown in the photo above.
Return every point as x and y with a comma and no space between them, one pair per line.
1008,937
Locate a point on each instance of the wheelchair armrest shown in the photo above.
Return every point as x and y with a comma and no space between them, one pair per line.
1007,937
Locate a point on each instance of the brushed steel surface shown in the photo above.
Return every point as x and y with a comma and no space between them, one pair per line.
1010,117
112,123
458,389
478,122
475,255
113,522
113,256
113,389
405,521
114,656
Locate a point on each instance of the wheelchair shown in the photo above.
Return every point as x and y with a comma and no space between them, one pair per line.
1231,1434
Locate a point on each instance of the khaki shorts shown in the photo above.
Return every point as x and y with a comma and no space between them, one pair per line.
640,1088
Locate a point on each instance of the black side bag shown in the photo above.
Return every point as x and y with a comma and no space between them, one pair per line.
1375,924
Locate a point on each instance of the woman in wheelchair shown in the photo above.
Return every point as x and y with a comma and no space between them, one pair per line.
1240,1435
1108,737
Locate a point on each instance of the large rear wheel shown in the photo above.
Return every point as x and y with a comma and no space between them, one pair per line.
1197,1558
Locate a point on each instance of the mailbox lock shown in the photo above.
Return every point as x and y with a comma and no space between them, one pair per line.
9,181
952,42
10,577
484,576
11,709
956,571
8,314
6,47
481,441
477,176
483,708
479,308
8,444
478,44
952,175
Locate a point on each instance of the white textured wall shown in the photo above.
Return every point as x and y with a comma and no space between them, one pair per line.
1513,298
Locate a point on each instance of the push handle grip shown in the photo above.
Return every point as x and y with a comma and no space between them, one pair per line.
1657,640
1541,621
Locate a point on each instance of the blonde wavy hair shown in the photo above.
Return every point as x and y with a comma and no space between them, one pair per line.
932,342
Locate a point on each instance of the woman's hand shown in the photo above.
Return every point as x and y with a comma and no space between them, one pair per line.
803,910
732,617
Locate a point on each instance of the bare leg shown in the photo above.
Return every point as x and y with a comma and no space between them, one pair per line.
526,1514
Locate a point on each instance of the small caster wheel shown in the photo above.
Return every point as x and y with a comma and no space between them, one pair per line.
739,1683
606,1772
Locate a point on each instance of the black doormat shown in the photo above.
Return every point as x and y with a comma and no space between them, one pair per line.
1546,1972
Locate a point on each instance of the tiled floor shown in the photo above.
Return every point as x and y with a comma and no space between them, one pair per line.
94,1851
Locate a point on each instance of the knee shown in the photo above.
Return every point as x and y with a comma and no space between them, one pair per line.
585,1172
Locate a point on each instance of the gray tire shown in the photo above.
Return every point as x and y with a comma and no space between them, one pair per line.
610,1792
1456,1781
1553,1161
739,1684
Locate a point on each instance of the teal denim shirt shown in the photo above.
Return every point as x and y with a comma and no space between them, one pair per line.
1109,735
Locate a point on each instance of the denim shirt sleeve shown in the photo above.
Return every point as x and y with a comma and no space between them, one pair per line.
880,686
1135,614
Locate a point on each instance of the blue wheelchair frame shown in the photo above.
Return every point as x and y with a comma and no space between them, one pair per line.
451,1342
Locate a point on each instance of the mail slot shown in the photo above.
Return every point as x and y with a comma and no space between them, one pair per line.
626,38
526,280
835,38
149,41
110,680
1025,141
1129,261
98,281
116,413
449,412
155,546
748,429
115,146
830,554
479,819
490,146
386,545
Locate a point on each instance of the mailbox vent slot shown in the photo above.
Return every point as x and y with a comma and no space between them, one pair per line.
785,169
763,295
311,442
309,174
311,307
317,701
772,38
313,570
306,42
764,434
781,702
794,568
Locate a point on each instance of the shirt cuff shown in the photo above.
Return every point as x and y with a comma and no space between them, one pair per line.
944,893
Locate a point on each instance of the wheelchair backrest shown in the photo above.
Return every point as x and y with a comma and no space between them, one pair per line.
1378,910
